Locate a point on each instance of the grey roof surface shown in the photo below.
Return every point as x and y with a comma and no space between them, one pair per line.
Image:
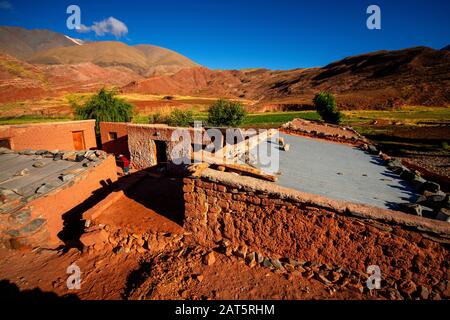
339,171
26,185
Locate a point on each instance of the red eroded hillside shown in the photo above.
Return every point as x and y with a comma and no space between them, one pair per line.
193,81
21,81
377,80
85,77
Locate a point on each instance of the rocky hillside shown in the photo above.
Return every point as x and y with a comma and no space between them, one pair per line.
142,59
52,48
22,43
376,80
45,61
21,81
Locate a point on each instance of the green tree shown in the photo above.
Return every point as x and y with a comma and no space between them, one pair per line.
179,118
105,106
325,105
226,113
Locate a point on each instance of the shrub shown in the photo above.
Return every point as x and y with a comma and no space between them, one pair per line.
179,118
226,113
158,117
325,105
105,106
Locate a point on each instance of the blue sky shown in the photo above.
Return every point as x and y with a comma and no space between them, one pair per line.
234,34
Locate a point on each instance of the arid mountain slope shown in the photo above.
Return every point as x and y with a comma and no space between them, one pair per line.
376,80
48,47
20,80
22,43
142,59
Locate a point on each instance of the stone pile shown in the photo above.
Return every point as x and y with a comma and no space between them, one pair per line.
121,241
18,228
356,137
56,155
431,195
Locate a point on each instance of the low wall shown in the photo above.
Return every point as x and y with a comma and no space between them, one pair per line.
39,221
257,216
118,144
49,136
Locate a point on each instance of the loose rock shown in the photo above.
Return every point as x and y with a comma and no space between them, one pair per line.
209,259
67,177
44,188
411,208
39,164
430,186
22,172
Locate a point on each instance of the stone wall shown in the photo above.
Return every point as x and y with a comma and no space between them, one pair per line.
49,136
248,215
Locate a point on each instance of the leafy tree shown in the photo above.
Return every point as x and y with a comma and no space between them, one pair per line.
325,104
226,113
179,118
105,106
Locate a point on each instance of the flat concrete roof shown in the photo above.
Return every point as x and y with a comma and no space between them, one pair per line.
339,171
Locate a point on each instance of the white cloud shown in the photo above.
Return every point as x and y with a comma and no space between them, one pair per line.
5,5
106,26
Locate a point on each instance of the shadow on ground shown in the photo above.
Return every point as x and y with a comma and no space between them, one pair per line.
73,223
160,193
11,292
151,188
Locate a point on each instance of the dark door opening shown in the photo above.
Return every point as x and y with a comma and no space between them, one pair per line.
5,143
161,151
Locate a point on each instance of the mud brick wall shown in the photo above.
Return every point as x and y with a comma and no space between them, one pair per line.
49,136
142,147
39,221
278,224
120,144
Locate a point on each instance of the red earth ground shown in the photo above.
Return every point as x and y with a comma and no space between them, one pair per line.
172,265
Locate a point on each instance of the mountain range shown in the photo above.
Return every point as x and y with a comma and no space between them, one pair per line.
38,63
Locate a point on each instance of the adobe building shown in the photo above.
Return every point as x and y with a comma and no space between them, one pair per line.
151,144
70,135
42,193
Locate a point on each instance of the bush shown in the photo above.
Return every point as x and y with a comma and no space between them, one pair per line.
105,106
325,105
179,118
226,113
158,117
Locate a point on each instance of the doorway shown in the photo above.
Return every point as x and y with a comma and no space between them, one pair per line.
5,143
161,151
78,140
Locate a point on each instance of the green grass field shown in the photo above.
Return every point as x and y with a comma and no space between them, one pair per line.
360,118
417,122
31,119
